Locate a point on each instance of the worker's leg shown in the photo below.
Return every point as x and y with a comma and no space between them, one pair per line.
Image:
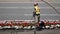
38,18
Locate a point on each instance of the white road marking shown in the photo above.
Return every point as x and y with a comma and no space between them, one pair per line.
28,2
27,7
44,14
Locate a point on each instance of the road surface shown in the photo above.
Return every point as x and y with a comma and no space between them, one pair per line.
23,11
30,32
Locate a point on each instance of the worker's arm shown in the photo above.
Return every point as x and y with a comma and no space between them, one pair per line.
34,13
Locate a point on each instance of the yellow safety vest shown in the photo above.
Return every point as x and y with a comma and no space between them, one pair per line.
37,9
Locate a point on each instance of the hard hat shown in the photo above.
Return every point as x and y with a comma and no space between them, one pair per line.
35,4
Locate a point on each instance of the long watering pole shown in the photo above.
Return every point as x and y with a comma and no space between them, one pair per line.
51,6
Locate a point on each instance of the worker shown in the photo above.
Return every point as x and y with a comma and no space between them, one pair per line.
37,11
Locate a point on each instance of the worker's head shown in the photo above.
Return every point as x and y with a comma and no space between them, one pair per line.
35,4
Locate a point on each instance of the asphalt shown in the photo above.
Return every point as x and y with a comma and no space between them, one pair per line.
23,11
54,31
